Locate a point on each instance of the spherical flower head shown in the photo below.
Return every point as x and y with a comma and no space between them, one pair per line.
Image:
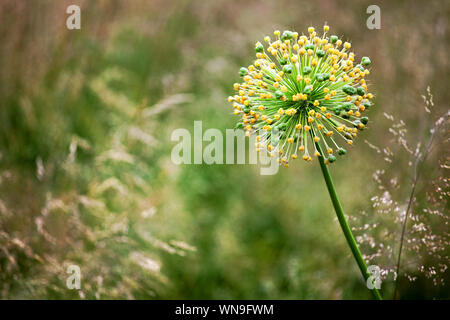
303,96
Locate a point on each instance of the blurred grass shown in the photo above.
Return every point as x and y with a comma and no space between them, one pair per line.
255,236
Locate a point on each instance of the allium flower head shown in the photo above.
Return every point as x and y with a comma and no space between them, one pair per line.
303,95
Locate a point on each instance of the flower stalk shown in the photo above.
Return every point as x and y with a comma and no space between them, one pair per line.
344,225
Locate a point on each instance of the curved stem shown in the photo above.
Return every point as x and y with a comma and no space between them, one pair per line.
344,225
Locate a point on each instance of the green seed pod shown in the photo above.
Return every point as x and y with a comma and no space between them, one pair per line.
320,53
347,106
360,91
331,158
342,151
365,61
287,68
278,94
364,120
259,47
349,90
287,35
307,70
333,39
356,123
243,71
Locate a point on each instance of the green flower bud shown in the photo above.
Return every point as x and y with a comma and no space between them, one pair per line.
319,77
364,120
307,70
360,91
356,123
320,53
308,89
239,125
259,47
347,106
243,71
287,35
367,105
360,67
246,109
287,68
283,61
309,46
333,39
349,90
278,94
342,151
331,158
345,116
365,61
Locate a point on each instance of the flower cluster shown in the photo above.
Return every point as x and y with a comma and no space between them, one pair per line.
303,95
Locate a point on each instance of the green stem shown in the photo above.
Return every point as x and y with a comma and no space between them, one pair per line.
344,225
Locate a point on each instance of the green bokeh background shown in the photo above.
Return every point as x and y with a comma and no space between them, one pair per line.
140,226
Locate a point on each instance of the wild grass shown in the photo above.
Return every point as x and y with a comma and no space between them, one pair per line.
86,176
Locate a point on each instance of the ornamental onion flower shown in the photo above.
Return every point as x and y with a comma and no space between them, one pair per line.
303,95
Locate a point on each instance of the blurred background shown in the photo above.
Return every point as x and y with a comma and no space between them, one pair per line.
86,176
